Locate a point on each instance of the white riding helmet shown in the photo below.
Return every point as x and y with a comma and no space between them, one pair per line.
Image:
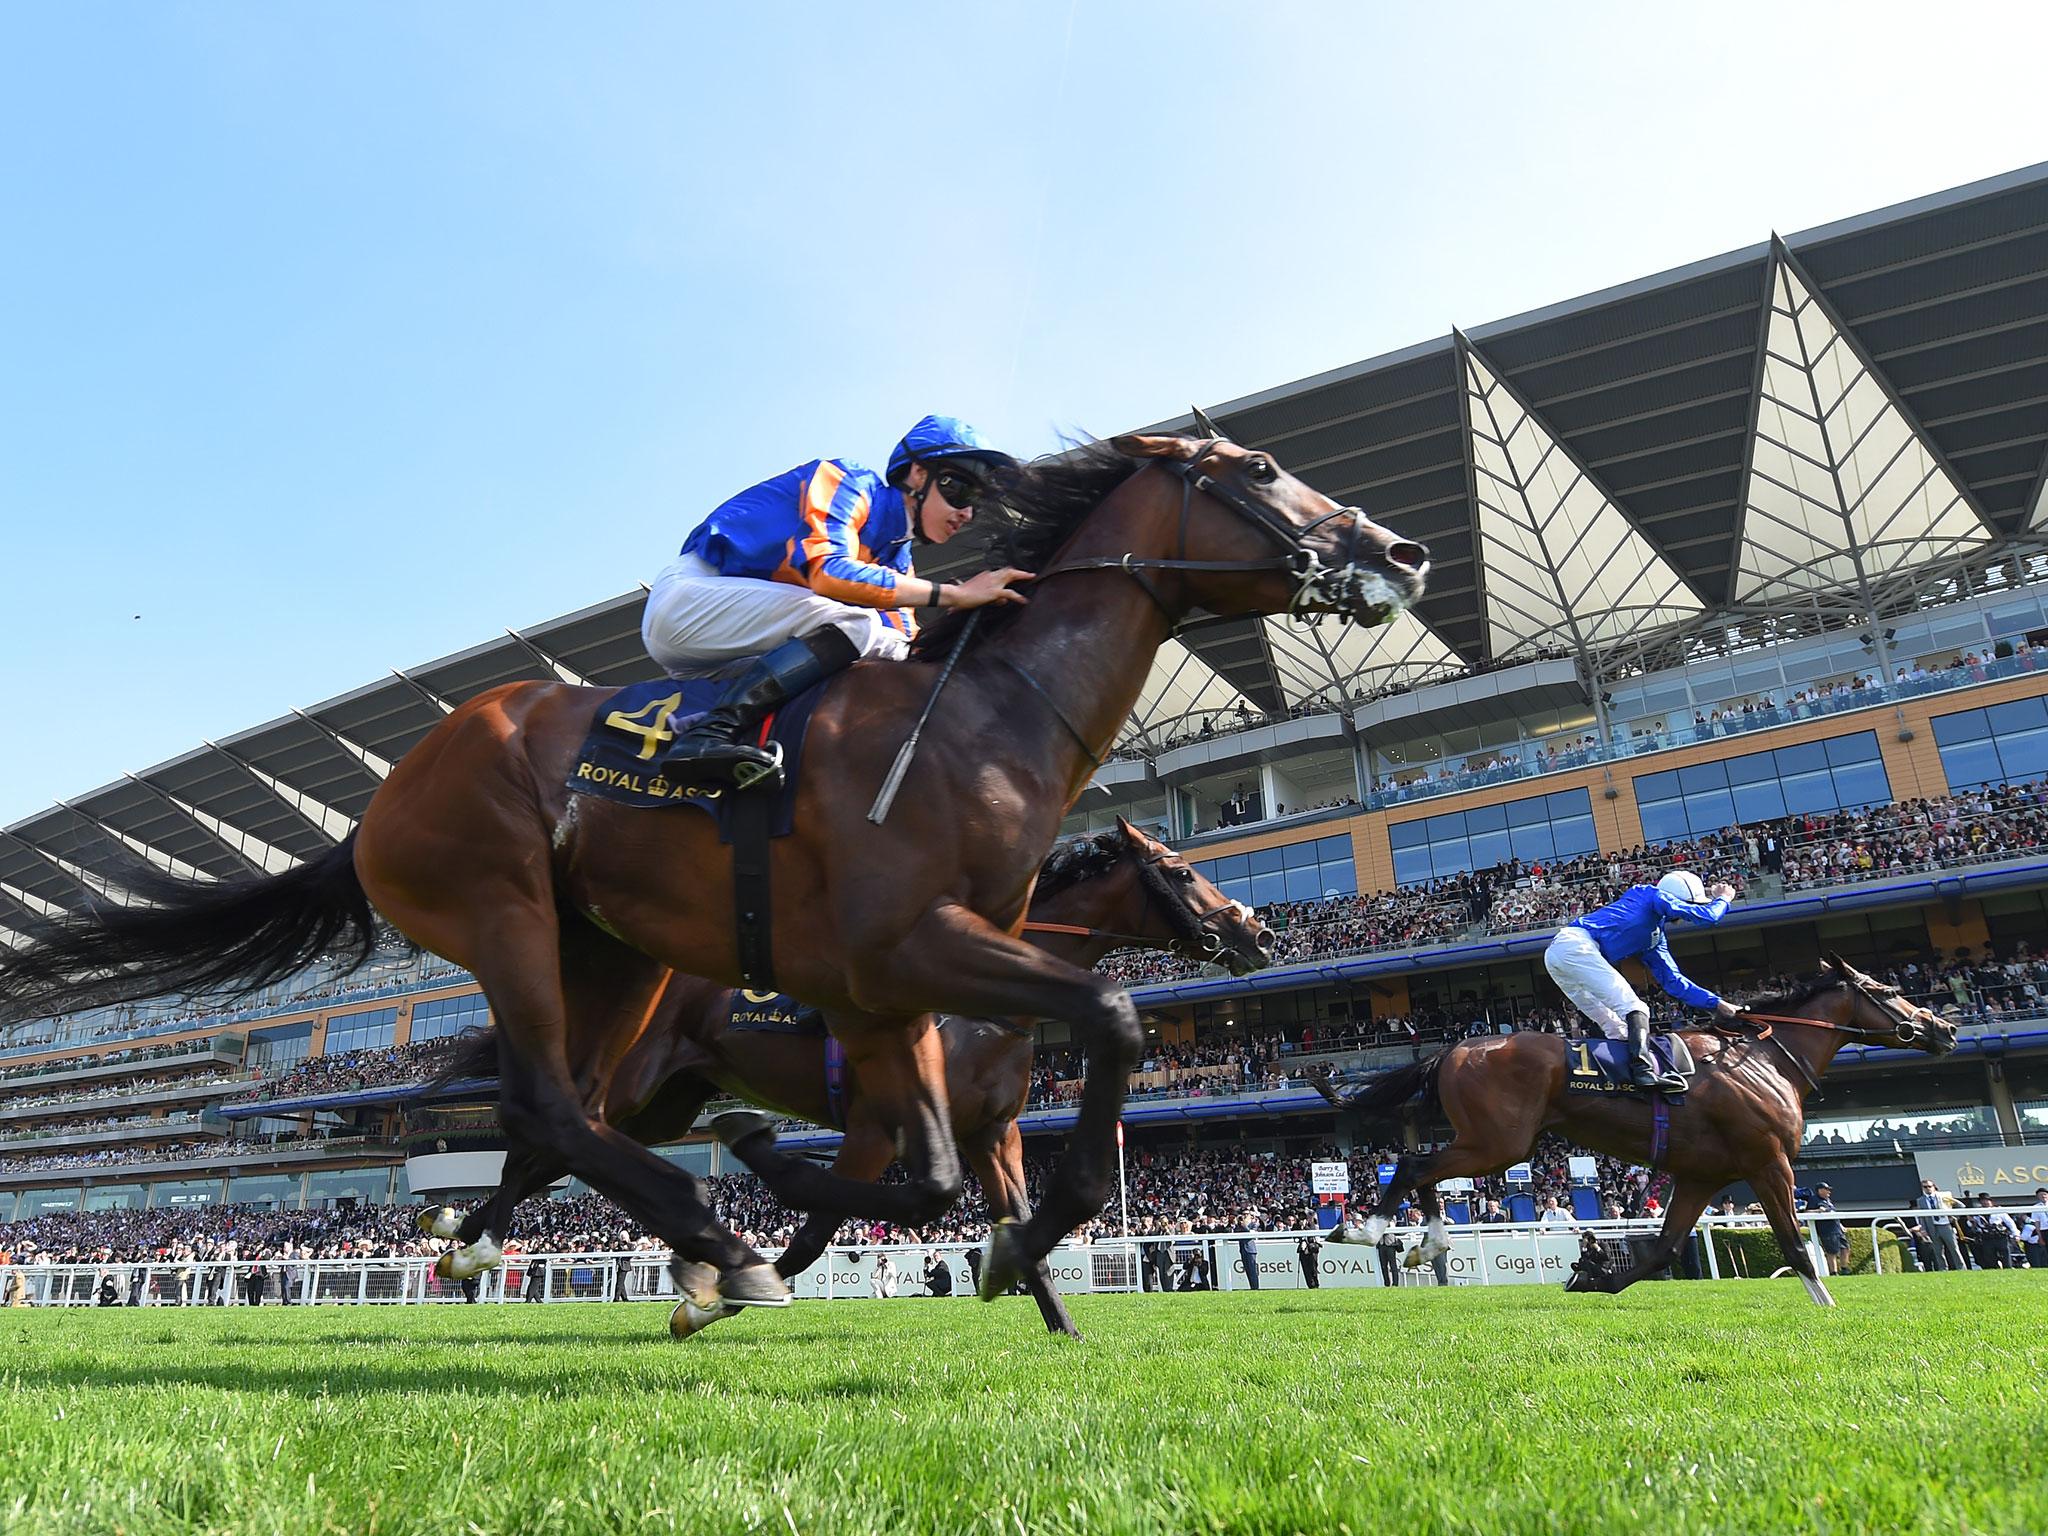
1683,885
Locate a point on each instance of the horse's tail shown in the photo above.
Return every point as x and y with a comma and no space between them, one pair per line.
1382,1095
216,939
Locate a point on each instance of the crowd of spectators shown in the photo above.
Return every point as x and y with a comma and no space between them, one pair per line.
132,1056
352,1071
86,1095
1979,826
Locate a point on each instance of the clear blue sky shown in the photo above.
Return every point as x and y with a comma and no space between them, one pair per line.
339,338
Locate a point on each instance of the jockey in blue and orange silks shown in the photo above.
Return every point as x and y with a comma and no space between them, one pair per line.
800,576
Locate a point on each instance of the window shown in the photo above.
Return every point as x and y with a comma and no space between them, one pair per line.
273,1050
1999,744
361,1031
1815,776
449,1016
1303,871
1539,829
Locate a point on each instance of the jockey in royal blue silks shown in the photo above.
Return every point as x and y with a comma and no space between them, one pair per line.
1582,957
813,569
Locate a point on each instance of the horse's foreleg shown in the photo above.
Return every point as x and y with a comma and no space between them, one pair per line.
901,1069
864,1153
1774,1190
998,1161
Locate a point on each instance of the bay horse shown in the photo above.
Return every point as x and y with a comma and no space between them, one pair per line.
571,911
1119,889
1742,1117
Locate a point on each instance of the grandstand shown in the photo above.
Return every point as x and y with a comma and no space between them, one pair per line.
1743,565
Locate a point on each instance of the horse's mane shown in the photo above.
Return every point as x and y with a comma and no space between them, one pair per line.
1036,505
1805,992
1076,860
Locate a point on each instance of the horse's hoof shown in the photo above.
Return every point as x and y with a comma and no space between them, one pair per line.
1002,1262
696,1283
444,1266
758,1285
1413,1259
738,1125
689,1318
440,1221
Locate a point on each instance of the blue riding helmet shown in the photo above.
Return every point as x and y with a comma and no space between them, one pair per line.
944,437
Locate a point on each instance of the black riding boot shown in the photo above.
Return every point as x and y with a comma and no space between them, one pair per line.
1643,1068
711,753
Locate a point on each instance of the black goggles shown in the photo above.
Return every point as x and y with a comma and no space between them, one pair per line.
961,492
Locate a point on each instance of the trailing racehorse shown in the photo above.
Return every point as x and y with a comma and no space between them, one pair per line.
1119,889
1742,1118
571,911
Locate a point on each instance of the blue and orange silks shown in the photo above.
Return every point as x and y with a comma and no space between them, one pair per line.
828,525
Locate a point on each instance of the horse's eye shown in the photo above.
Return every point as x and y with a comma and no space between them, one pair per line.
1261,470
1184,875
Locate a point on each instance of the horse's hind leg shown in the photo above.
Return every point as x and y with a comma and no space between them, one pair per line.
1688,1200
574,994
865,1151
901,1069
482,1231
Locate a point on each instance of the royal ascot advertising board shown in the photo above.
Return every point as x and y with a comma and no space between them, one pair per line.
2003,1173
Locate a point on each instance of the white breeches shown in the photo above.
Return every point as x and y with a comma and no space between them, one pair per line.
1596,988
700,623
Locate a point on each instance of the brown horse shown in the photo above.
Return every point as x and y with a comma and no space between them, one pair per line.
1742,1117
571,911
1119,889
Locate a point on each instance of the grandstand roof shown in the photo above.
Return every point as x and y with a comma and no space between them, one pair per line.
1831,423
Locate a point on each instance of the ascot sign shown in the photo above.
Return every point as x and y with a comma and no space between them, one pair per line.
2000,1172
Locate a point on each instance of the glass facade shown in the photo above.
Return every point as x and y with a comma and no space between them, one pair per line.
274,1050
1998,744
1301,871
449,1016
361,1031
1540,828
1815,776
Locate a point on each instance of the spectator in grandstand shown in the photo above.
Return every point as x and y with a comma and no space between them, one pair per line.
1581,960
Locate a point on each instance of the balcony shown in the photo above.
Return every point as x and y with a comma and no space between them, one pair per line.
12,1110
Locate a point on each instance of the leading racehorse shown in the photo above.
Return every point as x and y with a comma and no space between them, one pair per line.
571,911
1741,1118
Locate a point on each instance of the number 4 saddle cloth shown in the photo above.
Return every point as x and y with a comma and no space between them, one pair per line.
621,752
1602,1066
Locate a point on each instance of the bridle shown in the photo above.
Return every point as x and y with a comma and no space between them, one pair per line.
1911,1020
1203,943
1318,588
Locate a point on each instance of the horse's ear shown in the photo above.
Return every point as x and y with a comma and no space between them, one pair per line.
1836,963
1143,445
1207,427
1131,834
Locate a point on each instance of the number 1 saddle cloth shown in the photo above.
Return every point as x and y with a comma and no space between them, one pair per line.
621,752
1602,1066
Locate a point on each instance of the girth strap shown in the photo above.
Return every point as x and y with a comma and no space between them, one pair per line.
753,910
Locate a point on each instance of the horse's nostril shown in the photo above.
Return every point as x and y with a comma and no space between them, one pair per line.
1267,940
1407,554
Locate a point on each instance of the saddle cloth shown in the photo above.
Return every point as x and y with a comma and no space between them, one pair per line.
772,1013
777,1013
1602,1066
633,726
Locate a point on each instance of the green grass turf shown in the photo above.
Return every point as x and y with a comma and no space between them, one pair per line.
1921,1403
